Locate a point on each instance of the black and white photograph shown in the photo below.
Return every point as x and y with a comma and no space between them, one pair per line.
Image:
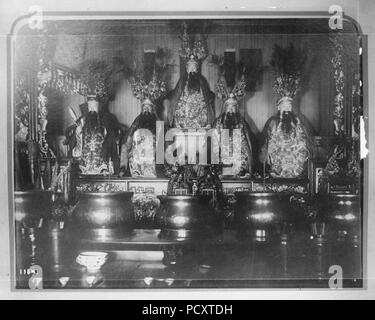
166,151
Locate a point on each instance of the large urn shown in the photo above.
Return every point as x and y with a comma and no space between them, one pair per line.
264,216
31,206
342,214
103,216
187,217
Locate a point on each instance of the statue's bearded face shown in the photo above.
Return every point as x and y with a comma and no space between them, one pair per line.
92,120
287,117
288,122
285,105
231,117
147,107
193,74
193,82
93,105
191,65
231,105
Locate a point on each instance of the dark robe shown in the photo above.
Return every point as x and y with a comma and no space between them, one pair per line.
135,144
114,130
107,130
236,121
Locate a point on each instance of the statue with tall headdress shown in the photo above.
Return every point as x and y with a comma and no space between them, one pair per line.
138,152
92,139
230,119
286,141
190,104
191,101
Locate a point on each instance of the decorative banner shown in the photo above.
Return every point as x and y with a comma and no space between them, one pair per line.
43,78
343,167
357,110
338,75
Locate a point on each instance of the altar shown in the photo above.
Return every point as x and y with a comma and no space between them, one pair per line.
187,153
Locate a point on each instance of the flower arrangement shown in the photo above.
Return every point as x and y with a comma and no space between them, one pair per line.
145,206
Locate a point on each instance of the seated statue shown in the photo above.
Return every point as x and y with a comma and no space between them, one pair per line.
139,149
92,139
230,119
191,102
287,144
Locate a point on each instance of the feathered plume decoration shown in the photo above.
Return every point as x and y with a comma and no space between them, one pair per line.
222,89
288,64
153,90
238,92
156,87
240,87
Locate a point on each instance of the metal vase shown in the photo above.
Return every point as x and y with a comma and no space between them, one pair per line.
31,206
343,215
263,216
185,217
102,216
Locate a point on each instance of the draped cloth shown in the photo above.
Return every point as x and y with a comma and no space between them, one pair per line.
287,154
138,152
113,129
190,109
242,166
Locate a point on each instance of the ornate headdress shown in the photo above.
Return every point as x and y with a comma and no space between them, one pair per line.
284,104
288,64
95,76
193,52
148,93
231,96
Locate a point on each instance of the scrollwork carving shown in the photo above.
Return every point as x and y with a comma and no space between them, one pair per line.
100,187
